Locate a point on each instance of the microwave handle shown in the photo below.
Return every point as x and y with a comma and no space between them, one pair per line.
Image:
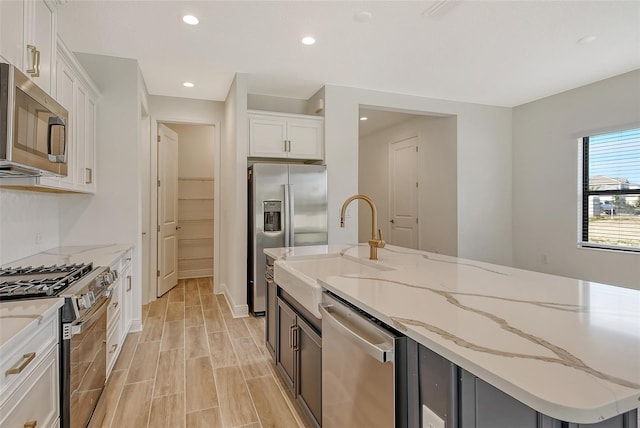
58,158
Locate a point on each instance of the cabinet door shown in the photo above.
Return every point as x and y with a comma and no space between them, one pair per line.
12,31
270,324
81,136
37,398
65,95
267,137
309,372
89,174
41,32
305,136
285,353
127,296
483,406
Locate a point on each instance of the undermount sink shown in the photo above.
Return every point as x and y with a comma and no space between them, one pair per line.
298,275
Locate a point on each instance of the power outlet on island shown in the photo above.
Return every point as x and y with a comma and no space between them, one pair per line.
430,419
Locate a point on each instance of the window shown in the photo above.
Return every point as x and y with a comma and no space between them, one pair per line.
611,191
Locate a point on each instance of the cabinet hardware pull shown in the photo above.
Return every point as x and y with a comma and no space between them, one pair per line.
31,424
34,71
113,348
295,338
128,282
285,145
290,336
115,305
18,367
88,173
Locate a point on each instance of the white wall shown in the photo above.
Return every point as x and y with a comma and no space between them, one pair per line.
196,150
233,196
437,177
483,166
23,215
545,179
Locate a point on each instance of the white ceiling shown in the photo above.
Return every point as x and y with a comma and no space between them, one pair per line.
491,52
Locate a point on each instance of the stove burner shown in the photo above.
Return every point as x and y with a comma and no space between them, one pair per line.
41,281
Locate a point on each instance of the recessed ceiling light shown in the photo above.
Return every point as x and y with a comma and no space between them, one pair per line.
587,39
188,85
190,19
364,118
308,40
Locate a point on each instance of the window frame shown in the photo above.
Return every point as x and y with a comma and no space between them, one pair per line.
584,200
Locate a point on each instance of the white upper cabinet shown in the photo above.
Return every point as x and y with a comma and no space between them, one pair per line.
40,36
12,44
277,135
78,94
28,39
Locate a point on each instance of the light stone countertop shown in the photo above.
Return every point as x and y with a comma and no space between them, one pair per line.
568,348
22,315
100,255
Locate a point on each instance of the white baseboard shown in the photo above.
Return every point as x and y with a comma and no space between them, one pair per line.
136,325
195,273
237,310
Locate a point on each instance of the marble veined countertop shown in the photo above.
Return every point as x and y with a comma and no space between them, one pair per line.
568,348
21,315
100,255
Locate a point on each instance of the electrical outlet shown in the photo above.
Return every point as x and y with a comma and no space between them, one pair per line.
38,238
545,260
430,419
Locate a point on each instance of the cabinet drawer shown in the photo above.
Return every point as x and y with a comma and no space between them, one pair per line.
114,343
28,354
36,398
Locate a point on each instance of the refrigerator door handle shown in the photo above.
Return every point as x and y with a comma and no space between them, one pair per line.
287,217
291,215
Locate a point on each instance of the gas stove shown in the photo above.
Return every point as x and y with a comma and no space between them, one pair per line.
38,282
83,286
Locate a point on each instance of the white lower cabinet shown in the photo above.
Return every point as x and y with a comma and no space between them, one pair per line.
120,311
31,384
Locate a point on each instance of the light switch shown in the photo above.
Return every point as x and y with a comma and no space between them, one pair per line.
430,419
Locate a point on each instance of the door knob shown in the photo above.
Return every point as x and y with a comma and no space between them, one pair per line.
392,221
178,227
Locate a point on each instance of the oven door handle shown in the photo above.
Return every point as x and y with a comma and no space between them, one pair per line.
82,324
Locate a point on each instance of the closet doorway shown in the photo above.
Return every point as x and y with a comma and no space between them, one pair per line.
196,155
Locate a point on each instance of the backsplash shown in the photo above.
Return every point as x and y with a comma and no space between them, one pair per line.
28,223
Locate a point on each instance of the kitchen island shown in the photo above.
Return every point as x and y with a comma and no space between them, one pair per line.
569,349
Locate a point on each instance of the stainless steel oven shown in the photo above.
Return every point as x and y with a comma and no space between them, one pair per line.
84,367
83,329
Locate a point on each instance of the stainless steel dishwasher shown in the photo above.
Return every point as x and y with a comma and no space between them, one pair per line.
369,372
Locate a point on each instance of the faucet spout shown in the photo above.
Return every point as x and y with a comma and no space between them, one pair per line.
374,242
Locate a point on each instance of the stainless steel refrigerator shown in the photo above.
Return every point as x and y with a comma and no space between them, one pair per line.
287,208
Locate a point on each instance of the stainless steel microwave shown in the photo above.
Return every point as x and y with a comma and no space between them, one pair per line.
33,133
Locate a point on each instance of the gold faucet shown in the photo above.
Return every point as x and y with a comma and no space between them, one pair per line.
374,243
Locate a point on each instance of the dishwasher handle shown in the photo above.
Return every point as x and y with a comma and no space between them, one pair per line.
382,352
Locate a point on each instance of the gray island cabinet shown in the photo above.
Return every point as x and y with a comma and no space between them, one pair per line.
498,347
463,400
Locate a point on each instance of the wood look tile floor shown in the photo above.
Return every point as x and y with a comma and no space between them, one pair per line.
193,365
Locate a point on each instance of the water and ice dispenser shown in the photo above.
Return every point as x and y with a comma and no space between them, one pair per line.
272,216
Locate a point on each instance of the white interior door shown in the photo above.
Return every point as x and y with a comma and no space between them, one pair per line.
403,193
167,209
